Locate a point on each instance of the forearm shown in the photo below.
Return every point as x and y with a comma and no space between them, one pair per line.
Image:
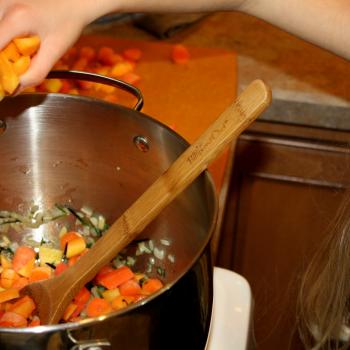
325,23
165,6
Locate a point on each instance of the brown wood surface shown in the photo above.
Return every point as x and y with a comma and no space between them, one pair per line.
287,184
185,97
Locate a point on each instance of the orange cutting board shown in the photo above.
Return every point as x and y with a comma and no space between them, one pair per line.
187,97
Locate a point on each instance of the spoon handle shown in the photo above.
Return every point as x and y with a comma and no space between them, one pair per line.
238,116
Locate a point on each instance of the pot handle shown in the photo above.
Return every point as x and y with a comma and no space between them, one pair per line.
88,344
97,78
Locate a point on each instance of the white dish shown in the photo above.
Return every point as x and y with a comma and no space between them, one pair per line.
230,322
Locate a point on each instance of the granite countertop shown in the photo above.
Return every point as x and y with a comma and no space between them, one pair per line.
296,70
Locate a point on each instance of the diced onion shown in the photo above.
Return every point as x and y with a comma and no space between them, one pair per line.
86,210
165,242
171,258
158,253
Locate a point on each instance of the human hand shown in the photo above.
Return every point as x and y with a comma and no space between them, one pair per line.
57,23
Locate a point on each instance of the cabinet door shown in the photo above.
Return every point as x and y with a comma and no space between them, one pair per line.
283,196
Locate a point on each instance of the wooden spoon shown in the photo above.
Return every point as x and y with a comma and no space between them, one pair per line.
52,296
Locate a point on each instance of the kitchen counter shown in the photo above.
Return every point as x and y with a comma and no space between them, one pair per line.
296,70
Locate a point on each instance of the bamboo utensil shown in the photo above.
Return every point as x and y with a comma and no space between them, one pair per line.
53,295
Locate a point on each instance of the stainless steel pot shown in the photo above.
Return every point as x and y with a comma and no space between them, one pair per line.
58,148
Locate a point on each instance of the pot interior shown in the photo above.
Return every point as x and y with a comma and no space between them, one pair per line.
84,152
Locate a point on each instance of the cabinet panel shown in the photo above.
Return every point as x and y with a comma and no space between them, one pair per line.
283,196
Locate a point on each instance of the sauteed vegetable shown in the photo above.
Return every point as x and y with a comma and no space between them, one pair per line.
114,287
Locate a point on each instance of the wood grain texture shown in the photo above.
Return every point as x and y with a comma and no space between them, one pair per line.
52,296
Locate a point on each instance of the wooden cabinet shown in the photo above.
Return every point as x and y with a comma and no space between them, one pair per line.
286,185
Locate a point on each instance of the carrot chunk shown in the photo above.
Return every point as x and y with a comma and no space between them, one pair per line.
21,65
115,278
20,283
130,287
11,319
180,54
60,268
23,306
40,273
82,296
98,307
27,46
69,310
132,54
34,322
151,285
68,237
23,256
8,294
122,301
8,276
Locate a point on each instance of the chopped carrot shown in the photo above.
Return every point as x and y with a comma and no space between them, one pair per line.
115,278
11,319
53,85
34,322
106,89
40,273
80,64
75,246
151,286
60,268
98,307
20,283
88,52
23,306
27,46
121,68
103,271
132,54
111,98
8,276
69,310
82,296
77,311
68,237
5,262
11,52
139,297
107,56
75,258
130,287
66,86
8,294
180,54
122,301
27,269
21,65
110,294
75,319
84,85
7,306
23,255
131,78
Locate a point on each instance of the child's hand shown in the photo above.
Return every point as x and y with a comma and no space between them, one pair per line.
57,23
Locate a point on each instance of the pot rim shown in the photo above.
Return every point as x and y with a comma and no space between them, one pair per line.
94,320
